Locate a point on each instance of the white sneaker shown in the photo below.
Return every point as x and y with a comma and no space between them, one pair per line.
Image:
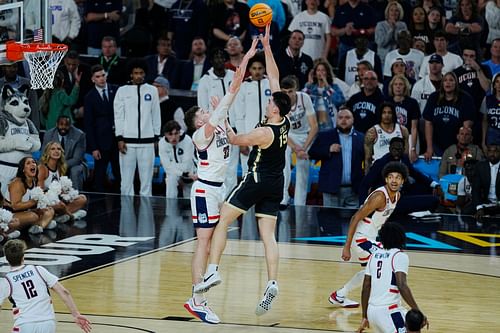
209,280
63,218
14,234
35,229
342,301
201,311
79,214
269,295
52,225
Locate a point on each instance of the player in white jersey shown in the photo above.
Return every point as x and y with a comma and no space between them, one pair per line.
385,284
27,287
303,130
207,194
364,226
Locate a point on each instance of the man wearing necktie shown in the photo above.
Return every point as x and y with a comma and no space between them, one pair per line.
99,127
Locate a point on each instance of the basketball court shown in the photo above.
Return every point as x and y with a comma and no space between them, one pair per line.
128,267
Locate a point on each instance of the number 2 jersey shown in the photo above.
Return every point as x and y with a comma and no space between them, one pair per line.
28,290
213,154
382,268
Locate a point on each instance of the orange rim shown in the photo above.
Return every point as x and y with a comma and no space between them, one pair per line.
15,51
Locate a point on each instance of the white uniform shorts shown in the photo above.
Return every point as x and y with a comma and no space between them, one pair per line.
206,200
387,318
47,326
362,248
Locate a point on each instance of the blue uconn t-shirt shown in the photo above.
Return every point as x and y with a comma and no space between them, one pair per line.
447,118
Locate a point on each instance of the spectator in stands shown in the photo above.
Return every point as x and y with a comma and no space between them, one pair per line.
486,183
176,152
188,19
377,138
465,24
407,110
167,107
364,104
419,44
60,103
316,28
416,192
100,128
411,57
163,62
73,143
352,20
229,18
303,130
112,63
450,60
20,201
325,94
435,20
445,112
464,189
492,16
188,73
431,82
51,168
137,127
387,31
419,27
361,68
494,62
234,50
65,21
13,79
341,153
348,64
489,110
103,19
454,156
293,61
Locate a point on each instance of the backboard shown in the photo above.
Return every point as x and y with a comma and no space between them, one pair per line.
23,21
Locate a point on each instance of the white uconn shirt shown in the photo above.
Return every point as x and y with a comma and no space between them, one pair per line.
370,226
213,154
381,145
29,287
382,268
299,122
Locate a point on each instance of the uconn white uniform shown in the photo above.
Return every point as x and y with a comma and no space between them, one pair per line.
381,145
28,289
351,64
208,192
299,130
385,312
364,241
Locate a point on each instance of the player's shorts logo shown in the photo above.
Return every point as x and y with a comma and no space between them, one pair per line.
202,218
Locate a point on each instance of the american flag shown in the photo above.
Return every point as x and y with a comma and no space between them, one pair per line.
38,35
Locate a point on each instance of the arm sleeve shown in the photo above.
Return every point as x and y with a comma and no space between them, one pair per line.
119,113
75,20
401,262
156,113
203,94
187,161
77,157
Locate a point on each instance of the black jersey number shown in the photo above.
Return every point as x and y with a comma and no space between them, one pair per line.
226,152
296,124
29,289
283,139
379,269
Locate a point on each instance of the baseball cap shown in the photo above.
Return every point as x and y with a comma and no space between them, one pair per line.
396,60
436,58
162,81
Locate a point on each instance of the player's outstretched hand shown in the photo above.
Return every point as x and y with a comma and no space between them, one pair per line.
214,102
346,254
363,326
265,39
83,323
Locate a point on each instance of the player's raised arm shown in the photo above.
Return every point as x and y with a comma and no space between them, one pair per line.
272,71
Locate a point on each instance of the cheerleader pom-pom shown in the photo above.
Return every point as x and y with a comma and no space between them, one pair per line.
55,187
66,184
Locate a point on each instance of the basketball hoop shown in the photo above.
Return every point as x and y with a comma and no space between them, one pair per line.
43,60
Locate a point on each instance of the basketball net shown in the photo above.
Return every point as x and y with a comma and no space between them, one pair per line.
43,60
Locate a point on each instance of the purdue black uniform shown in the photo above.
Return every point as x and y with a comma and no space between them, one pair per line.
262,186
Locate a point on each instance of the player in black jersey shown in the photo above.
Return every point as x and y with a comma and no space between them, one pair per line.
262,186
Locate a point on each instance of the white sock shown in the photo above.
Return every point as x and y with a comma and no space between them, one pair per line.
212,268
353,283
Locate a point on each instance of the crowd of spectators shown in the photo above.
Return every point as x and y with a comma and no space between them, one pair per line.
372,71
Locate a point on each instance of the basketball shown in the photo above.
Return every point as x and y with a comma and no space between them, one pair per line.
260,15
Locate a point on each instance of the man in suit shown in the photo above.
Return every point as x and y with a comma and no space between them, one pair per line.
162,63
484,196
341,153
13,79
100,128
189,72
73,143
